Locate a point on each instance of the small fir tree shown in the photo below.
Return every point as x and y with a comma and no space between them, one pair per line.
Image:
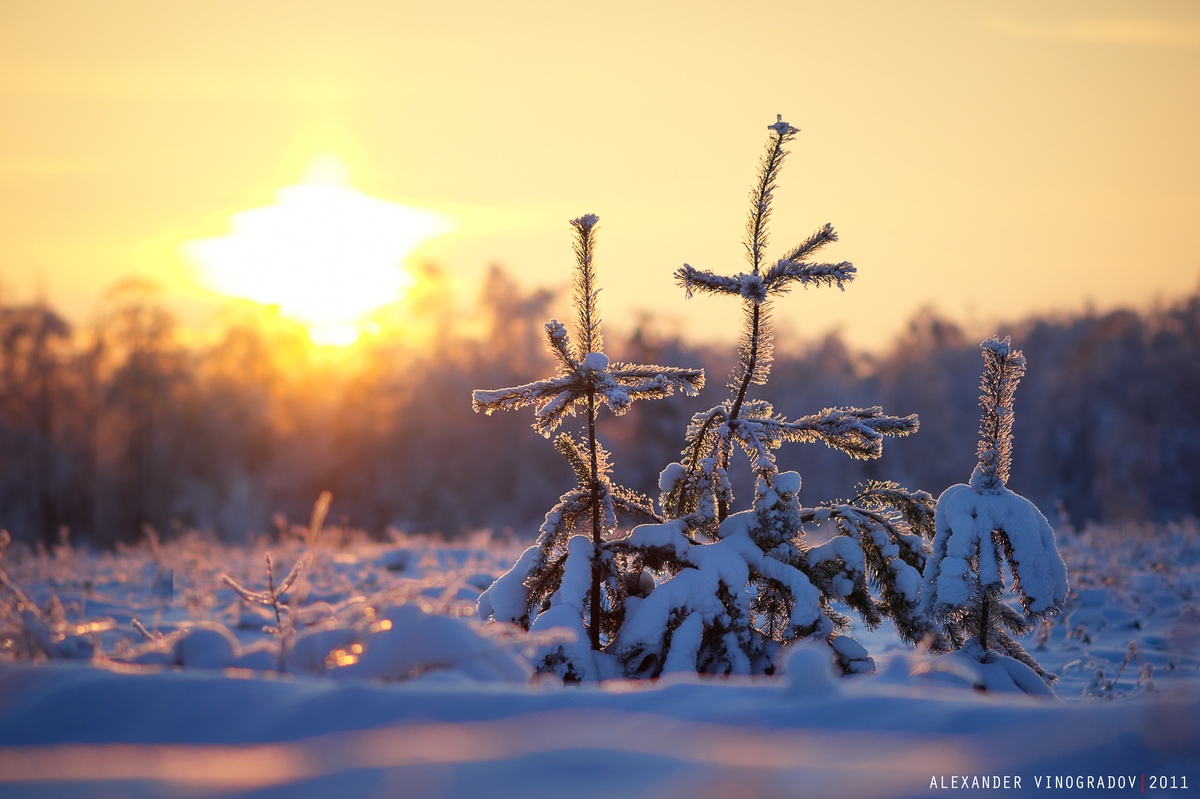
983,528
570,577
737,586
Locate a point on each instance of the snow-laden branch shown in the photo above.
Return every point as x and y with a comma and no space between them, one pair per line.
859,432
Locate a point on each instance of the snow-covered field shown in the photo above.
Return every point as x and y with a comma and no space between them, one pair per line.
387,687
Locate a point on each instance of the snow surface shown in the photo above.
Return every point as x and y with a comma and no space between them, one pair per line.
434,704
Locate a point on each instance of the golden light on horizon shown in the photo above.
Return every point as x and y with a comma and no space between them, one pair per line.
326,254
1066,122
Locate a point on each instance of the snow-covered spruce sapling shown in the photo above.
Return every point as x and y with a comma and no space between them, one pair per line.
983,527
570,577
741,585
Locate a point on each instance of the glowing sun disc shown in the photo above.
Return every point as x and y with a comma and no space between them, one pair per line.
325,253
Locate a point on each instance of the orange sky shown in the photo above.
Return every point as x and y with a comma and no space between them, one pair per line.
993,159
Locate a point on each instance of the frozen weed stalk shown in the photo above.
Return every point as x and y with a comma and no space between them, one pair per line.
29,632
737,586
572,577
276,597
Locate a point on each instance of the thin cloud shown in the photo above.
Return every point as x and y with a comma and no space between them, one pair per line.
1142,31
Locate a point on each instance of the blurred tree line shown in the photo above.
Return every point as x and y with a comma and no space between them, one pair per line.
124,424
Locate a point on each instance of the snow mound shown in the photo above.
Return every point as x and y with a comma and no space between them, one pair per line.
206,645
410,643
810,671
992,672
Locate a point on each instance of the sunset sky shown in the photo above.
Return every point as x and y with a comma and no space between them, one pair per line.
992,159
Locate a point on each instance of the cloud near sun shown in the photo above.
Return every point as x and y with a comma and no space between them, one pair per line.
325,253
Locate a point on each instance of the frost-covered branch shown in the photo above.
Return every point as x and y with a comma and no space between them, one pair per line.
693,280
1003,369
825,235
785,272
859,432
761,195
587,292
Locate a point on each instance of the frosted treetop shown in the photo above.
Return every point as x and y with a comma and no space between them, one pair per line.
781,127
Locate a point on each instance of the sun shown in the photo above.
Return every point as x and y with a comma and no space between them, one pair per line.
325,254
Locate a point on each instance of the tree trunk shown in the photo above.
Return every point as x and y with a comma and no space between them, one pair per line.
594,626
984,620
751,366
